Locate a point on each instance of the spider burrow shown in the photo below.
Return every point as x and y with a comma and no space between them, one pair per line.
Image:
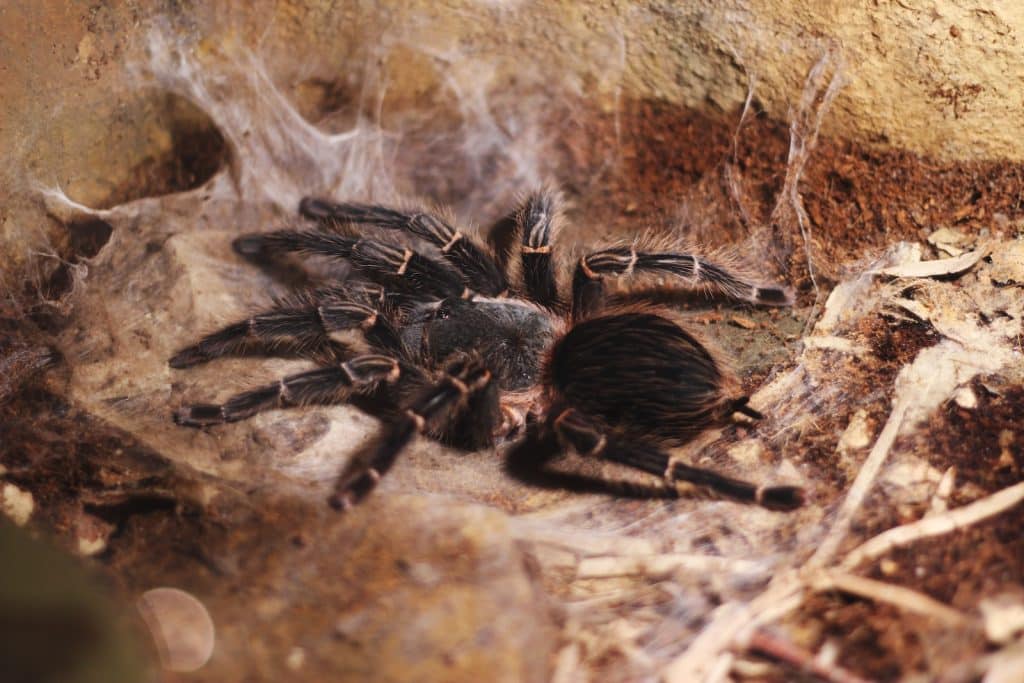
467,344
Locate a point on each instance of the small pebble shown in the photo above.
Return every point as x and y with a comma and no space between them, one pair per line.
1003,616
296,658
745,323
966,398
87,547
17,504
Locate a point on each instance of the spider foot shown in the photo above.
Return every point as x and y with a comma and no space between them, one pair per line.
199,415
780,497
741,406
250,245
188,357
348,493
773,296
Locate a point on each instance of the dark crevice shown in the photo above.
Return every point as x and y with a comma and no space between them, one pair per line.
87,237
117,513
332,106
197,150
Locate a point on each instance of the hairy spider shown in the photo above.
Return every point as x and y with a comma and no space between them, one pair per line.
472,348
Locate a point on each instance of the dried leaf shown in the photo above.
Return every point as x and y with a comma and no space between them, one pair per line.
937,268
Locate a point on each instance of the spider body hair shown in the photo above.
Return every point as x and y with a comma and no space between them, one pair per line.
466,343
638,372
510,336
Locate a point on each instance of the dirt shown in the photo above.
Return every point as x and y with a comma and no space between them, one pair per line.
651,165
985,444
859,201
986,559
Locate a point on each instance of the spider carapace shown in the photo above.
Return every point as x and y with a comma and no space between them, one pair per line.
473,344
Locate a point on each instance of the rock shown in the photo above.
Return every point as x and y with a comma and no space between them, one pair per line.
17,504
405,587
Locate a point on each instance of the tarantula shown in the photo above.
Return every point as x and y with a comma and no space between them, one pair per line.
461,343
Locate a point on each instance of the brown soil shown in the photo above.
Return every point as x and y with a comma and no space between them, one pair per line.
858,200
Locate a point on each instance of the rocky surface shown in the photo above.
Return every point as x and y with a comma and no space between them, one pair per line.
82,116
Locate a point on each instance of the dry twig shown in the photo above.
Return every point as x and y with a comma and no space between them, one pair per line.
898,596
935,525
776,647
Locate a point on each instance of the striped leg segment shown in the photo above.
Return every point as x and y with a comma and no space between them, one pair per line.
529,462
383,262
781,498
576,431
482,272
503,238
694,271
431,411
537,220
328,385
292,329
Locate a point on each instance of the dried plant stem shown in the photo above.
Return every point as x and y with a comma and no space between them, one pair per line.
898,596
732,626
935,525
861,486
731,182
940,500
778,648
736,626
662,565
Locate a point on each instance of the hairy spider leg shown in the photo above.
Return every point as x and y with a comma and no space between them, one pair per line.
296,329
431,411
575,430
503,238
327,385
537,221
385,263
481,271
588,280
528,462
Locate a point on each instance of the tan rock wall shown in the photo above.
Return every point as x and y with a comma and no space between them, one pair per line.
939,78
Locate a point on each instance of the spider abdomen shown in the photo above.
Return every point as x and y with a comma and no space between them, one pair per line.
642,375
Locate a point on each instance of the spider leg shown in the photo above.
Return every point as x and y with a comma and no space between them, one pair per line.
334,384
502,236
482,272
575,430
527,461
437,406
296,328
588,279
473,427
536,221
385,263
